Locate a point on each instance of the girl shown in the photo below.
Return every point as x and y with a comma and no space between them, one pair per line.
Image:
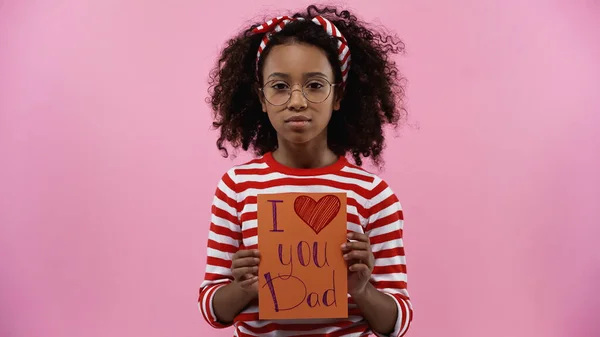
304,91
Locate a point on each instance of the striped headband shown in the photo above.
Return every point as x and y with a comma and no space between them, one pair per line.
279,22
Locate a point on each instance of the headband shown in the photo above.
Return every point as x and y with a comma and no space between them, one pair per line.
279,22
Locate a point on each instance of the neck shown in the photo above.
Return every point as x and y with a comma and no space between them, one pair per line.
307,155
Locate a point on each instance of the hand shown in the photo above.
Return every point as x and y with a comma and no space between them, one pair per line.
244,269
360,261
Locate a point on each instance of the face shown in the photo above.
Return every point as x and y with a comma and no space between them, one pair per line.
292,69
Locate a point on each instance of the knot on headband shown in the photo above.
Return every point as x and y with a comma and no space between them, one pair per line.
277,24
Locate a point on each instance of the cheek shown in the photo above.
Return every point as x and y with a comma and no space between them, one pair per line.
325,113
322,120
275,116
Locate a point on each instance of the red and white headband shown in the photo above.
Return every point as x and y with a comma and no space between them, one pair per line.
277,24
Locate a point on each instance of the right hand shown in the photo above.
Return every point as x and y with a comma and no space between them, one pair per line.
244,269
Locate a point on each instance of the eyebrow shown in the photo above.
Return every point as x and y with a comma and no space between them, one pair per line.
311,74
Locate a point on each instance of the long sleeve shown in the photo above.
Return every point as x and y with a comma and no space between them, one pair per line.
385,229
224,239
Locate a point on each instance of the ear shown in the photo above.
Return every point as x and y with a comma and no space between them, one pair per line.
261,97
337,100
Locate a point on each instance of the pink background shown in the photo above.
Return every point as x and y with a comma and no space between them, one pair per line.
107,164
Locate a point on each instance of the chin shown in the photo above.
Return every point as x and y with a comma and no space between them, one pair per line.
299,138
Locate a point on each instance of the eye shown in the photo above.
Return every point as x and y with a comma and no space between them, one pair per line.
280,86
315,85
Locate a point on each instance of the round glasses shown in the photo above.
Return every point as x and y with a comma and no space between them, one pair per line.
278,92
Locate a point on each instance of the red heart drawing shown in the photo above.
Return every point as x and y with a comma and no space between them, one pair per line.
317,214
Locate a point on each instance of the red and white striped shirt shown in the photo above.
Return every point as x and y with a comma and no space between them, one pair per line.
372,208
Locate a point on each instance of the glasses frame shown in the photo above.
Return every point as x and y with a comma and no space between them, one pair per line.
331,85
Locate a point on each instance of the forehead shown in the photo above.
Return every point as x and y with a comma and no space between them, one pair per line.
296,60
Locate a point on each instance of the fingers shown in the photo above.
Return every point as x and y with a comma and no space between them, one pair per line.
244,266
360,268
239,273
349,246
361,237
360,255
244,262
357,253
245,253
249,281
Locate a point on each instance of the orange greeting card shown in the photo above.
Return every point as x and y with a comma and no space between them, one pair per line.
302,273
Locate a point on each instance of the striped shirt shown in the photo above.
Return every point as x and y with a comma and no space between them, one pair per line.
372,208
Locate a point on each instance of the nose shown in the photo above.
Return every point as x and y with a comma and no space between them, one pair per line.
297,99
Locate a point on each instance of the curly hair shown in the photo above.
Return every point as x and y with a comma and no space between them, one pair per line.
372,97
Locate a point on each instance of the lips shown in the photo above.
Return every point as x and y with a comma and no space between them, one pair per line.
297,119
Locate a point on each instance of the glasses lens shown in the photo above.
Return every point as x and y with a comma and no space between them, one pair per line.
279,92
317,90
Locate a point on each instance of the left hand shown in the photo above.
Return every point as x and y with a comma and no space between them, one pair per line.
360,262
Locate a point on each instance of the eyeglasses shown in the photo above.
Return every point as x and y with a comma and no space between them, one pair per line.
278,92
